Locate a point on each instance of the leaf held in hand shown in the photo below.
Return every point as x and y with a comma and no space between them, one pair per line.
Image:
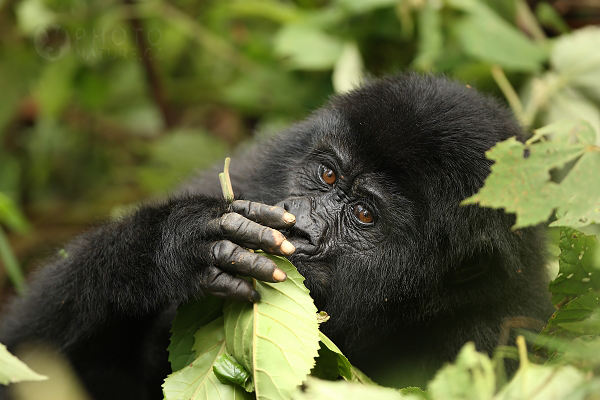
276,339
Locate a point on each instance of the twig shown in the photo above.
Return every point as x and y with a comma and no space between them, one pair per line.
509,92
152,76
226,181
529,22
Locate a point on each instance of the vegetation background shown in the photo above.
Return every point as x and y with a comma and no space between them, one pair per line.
104,104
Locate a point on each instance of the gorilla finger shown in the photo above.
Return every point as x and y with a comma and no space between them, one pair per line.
247,233
235,259
264,214
221,284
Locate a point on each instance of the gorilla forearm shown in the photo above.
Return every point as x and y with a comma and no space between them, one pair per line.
121,270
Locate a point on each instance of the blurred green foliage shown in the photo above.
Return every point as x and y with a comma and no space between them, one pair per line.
106,103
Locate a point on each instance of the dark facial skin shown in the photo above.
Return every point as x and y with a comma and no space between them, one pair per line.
363,197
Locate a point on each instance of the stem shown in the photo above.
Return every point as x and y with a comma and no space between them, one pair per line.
152,77
509,92
13,269
522,346
530,23
226,181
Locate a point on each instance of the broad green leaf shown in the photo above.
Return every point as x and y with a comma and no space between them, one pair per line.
577,59
189,318
228,370
197,380
522,185
571,88
539,382
558,331
587,326
307,47
348,69
318,389
486,36
334,364
331,363
569,102
581,192
470,377
579,268
14,370
276,339
574,291
583,352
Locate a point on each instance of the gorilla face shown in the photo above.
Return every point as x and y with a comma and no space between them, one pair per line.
380,236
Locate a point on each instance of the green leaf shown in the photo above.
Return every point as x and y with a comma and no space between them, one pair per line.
317,389
189,318
331,363
538,382
574,291
522,184
307,47
577,59
548,16
228,370
11,215
197,380
579,268
470,377
276,339
348,69
14,370
486,36
583,352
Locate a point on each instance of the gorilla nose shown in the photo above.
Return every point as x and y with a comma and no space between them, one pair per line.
310,227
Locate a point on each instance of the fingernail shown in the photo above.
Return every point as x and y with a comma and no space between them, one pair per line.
279,275
289,218
255,296
287,247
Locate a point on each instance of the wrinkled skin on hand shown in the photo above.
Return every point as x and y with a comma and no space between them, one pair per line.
250,225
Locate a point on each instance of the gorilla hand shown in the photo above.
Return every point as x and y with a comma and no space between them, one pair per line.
251,225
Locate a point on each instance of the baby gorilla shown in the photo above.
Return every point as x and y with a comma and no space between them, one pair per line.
365,193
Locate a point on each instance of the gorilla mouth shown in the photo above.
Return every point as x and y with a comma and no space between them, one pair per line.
302,241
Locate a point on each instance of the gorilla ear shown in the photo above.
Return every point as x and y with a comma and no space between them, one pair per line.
474,266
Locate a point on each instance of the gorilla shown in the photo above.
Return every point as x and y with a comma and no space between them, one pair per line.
363,197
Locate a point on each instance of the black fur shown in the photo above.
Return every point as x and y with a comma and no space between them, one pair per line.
403,293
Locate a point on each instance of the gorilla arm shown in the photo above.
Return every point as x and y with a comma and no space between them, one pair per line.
101,301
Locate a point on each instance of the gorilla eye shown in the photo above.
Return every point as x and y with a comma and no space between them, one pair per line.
328,175
363,214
